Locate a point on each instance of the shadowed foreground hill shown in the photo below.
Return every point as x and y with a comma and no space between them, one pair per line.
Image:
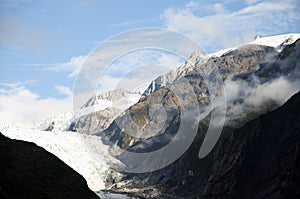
29,171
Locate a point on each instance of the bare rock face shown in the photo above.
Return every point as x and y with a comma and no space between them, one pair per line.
95,121
29,171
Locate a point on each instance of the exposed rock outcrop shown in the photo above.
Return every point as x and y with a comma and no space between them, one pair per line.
95,121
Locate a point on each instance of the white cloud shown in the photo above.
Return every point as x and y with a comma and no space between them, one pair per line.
219,8
64,90
250,2
221,27
18,104
262,8
73,65
170,60
270,91
278,90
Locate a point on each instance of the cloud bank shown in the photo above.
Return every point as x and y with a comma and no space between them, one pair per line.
221,25
19,104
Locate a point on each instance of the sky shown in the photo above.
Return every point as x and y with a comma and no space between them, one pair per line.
43,44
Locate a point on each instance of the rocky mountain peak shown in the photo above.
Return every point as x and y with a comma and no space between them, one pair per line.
197,56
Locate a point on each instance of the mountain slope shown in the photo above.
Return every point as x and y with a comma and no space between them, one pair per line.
261,159
258,88
117,97
242,61
29,171
95,121
278,42
101,109
95,115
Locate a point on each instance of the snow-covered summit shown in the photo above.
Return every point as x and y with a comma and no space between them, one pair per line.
277,41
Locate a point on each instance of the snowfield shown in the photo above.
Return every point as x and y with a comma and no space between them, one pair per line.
71,148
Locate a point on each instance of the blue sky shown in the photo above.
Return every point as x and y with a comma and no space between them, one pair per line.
43,43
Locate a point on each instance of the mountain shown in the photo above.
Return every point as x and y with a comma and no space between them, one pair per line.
95,121
278,42
257,80
259,160
95,115
101,109
120,98
29,171
244,71
165,79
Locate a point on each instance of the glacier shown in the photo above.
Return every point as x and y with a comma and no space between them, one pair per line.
70,148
